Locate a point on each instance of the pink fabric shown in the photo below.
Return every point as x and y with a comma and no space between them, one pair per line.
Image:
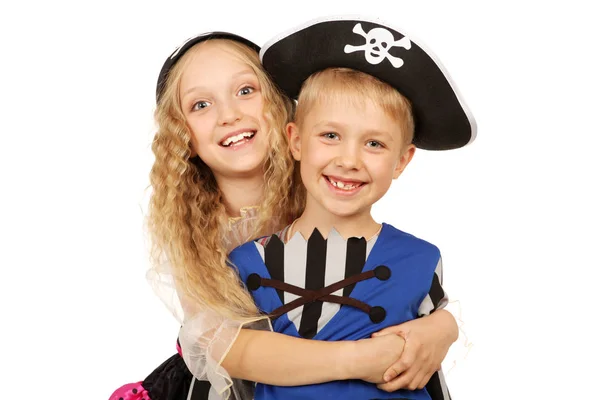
135,391
131,391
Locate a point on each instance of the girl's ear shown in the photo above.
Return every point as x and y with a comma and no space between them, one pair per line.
193,152
294,140
407,155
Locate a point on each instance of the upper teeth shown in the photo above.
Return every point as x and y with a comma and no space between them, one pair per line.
237,138
342,185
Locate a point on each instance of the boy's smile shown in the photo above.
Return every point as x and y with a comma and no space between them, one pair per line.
348,186
350,151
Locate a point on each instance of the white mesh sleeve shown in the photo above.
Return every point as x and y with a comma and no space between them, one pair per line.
205,336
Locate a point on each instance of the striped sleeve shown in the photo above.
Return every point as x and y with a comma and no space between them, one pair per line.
437,297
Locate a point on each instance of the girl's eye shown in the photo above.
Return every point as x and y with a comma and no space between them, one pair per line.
200,105
374,144
330,135
246,91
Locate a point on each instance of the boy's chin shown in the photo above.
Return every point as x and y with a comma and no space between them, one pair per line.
344,211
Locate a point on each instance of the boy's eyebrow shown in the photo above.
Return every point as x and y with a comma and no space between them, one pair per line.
234,76
375,132
328,124
339,126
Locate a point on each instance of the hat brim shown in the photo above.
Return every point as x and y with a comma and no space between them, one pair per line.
442,119
188,44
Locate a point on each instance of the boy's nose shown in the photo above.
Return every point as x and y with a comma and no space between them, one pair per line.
349,158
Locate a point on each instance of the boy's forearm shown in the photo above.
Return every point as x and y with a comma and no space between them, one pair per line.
282,360
445,323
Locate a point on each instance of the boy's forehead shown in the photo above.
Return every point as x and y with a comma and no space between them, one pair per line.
336,98
335,101
363,115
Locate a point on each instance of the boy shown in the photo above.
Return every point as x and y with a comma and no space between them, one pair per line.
335,273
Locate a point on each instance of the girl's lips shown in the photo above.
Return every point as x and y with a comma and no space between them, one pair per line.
242,144
248,137
242,134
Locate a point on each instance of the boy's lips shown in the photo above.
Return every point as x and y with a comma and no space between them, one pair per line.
344,184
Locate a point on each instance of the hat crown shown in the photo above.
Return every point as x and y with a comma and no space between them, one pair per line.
378,42
442,119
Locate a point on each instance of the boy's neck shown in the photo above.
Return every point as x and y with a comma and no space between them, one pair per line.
359,225
240,193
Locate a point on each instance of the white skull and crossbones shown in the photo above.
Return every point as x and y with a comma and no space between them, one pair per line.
379,41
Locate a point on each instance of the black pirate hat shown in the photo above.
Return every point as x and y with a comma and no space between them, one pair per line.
442,119
188,44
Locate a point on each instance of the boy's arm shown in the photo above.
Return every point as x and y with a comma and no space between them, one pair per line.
278,359
428,340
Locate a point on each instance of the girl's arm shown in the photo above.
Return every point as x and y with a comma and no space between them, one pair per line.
278,359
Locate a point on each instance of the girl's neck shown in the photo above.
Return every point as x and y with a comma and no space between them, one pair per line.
240,192
314,216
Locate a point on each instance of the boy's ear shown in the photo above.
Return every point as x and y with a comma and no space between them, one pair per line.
407,155
294,139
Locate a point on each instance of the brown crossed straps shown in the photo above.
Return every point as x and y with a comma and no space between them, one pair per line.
376,313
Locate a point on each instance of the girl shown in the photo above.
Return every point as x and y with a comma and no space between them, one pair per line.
220,150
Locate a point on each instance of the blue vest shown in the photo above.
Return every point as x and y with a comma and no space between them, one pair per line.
411,263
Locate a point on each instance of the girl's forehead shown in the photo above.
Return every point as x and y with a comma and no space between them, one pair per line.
214,67
216,59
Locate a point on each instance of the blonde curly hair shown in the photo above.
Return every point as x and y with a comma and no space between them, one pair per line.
186,215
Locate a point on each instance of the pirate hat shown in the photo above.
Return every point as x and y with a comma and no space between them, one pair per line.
188,44
442,119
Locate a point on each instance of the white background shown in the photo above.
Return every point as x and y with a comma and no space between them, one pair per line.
515,213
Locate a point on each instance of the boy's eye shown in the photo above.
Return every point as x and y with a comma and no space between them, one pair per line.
200,105
330,135
246,90
374,144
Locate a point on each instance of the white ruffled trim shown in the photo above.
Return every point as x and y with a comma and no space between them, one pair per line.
205,342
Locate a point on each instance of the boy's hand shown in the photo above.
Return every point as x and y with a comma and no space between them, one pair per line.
424,350
372,357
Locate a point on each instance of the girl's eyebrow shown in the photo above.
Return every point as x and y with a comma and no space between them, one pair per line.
243,72
193,89
234,76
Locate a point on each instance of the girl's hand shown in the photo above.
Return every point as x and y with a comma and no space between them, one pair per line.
427,341
371,358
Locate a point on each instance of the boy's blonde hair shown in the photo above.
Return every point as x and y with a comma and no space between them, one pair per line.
349,85
187,218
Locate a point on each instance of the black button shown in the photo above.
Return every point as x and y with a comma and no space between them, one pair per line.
253,281
382,273
377,314
134,391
